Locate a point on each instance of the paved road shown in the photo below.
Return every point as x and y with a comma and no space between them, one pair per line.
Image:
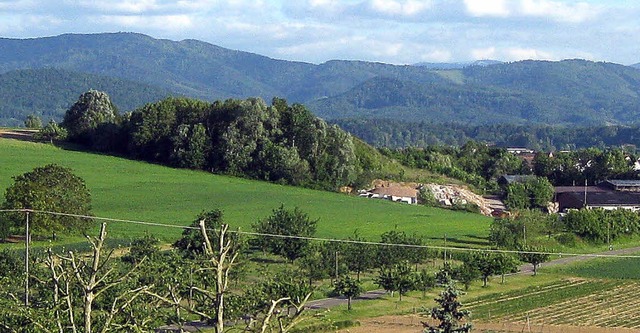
528,268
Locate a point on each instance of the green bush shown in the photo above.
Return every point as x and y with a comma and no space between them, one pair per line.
567,239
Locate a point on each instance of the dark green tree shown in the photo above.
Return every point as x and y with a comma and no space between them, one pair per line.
347,287
92,109
144,247
448,313
191,146
517,196
191,244
50,188
287,226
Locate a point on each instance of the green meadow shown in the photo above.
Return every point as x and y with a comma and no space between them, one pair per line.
139,191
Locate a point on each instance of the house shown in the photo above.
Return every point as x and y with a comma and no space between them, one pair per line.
610,194
608,200
394,193
505,180
622,185
519,150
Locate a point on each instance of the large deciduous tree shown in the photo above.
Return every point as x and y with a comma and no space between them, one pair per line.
290,224
93,109
49,188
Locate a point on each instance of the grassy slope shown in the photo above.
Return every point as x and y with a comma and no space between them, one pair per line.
124,189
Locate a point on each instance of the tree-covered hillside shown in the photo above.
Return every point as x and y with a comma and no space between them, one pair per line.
48,93
568,93
395,134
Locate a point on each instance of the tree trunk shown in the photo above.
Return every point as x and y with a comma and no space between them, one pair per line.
349,303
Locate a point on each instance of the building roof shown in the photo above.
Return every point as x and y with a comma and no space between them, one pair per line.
396,191
580,189
624,182
510,179
601,199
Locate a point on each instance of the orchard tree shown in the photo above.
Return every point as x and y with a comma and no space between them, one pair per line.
534,256
93,108
192,242
398,278
288,223
347,287
361,256
51,188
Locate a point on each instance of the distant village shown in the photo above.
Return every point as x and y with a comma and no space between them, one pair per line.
608,194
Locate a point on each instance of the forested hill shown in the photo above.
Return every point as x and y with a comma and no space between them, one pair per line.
50,92
570,92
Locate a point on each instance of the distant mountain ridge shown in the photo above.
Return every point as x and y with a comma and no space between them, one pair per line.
458,65
570,92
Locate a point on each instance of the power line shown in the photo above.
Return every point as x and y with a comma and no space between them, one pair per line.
333,240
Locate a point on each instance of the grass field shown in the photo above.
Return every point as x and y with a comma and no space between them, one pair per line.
131,190
618,268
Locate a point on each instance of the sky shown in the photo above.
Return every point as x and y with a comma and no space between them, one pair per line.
389,31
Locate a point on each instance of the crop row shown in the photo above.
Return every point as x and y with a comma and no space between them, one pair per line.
603,303
519,303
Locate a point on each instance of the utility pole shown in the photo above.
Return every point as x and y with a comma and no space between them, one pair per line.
26,262
336,265
524,233
445,248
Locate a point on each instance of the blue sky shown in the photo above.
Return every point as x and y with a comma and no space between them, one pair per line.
391,31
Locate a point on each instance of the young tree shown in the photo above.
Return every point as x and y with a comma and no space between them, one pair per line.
347,287
33,122
51,132
534,256
398,278
483,262
425,281
466,273
448,313
145,247
284,222
50,188
191,244
361,257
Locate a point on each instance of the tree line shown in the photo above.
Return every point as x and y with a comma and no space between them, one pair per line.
279,142
398,133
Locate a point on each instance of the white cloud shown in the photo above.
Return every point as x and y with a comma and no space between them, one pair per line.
483,54
563,12
440,55
402,8
160,23
526,53
496,8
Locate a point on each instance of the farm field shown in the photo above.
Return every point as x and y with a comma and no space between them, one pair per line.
131,190
597,295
